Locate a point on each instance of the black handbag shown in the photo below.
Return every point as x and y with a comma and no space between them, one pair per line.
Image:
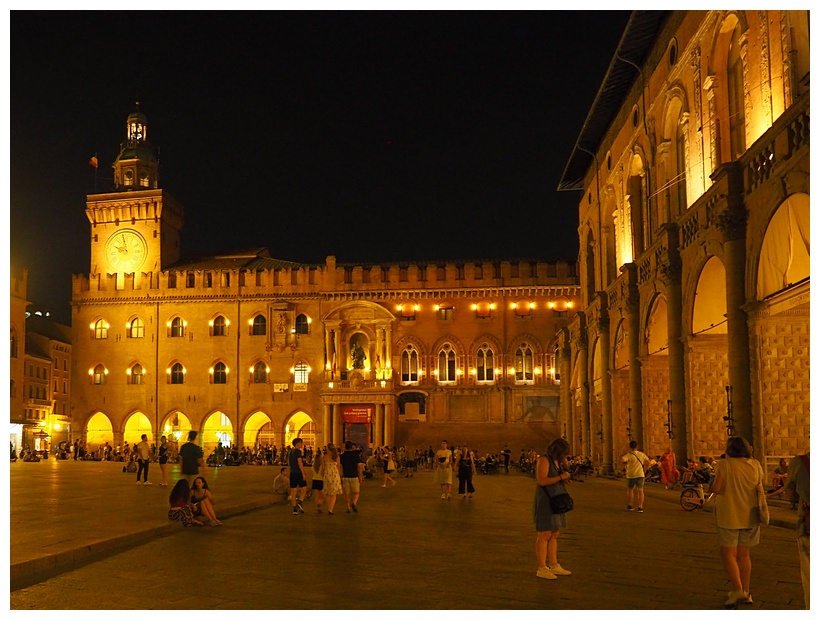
561,502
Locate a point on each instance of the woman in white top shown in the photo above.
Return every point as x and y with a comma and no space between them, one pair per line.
738,521
444,470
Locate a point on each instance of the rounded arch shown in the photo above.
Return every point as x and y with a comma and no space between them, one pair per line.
98,430
134,425
709,304
342,313
656,331
216,428
175,426
620,347
491,340
530,339
417,343
299,424
258,430
784,258
452,340
135,327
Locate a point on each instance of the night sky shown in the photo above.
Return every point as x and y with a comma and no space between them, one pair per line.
376,137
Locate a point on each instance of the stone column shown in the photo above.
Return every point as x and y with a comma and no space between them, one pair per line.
388,354
378,430
633,326
378,371
583,385
732,223
606,384
669,271
337,424
327,426
565,369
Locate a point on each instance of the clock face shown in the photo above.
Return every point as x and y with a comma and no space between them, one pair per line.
125,251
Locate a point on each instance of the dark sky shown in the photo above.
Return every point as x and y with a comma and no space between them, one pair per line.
376,137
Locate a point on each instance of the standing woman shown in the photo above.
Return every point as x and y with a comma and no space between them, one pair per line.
333,478
466,470
444,470
389,466
318,484
737,516
163,460
669,468
548,472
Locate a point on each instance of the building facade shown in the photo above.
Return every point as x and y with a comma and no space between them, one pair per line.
253,350
17,319
694,240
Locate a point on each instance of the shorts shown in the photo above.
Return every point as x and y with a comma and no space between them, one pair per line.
317,485
297,480
635,482
748,537
350,485
163,460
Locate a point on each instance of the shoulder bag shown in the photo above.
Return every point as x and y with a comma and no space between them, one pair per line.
762,505
560,500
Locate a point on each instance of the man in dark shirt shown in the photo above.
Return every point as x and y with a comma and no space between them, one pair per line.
352,475
298,481
507,454
190,458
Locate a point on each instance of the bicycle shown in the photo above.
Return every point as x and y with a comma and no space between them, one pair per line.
693,497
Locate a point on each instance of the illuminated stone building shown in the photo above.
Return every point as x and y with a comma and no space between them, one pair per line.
694,231
17,320
253,350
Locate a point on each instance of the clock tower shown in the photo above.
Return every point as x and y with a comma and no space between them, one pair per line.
135,229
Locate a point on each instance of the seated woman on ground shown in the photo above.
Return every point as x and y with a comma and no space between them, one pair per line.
180,504
779,476
203,501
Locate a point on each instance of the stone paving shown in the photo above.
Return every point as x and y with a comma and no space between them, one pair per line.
85,536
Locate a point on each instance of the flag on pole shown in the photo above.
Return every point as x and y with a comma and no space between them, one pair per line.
93,161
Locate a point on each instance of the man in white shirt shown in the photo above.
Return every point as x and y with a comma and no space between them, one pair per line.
636,463
143,451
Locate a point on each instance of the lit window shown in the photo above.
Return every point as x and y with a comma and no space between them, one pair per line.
177,327
137,374
484,364
447,364
177,374
301,372
220,373
445,311
524,364
137,329
98,376
409,365
302,324
260,372
259,326
219,326
190,281
100,329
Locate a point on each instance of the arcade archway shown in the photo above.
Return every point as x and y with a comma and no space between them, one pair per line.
216,429
259,431
301,425
137,425
98,430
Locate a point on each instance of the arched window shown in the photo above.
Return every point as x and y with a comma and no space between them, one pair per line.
737,111
302,324
447,364
301,372
259,326
524,364
98,374
484,360
260,372
136,375
220,326
13,343
100,329
556,364
177,374
220,373
409,365
177,327
136,329
680,168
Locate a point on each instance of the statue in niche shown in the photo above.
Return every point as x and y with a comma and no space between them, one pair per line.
358,355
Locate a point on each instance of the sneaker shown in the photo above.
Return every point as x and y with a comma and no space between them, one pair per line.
545,573
559,570
640,509
353,506
148,484
138,482
735,597
295,512
629,508
443,496
299,507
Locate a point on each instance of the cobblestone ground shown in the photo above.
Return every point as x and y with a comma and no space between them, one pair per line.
406,549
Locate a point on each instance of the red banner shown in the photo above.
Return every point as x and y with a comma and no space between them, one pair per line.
358,414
